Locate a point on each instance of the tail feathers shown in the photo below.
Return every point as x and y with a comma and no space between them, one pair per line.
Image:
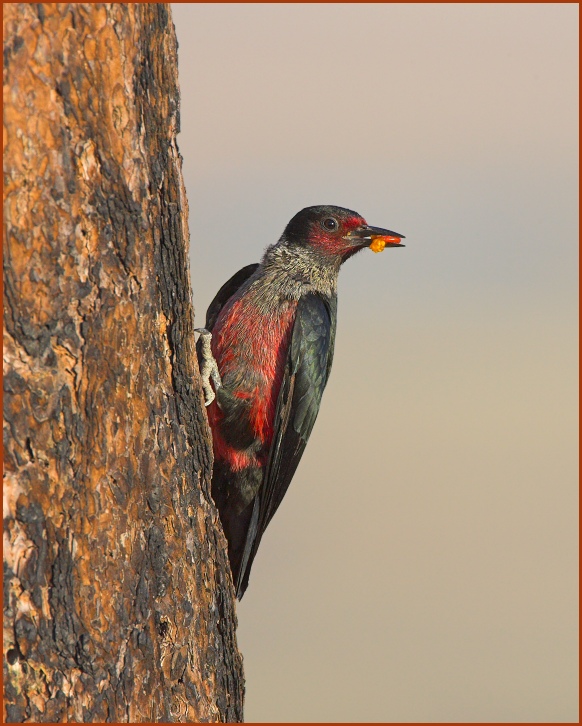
238,501
243,569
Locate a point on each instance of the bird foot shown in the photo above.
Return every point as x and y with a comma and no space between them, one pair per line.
209,367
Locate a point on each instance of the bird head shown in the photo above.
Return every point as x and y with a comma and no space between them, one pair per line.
336,232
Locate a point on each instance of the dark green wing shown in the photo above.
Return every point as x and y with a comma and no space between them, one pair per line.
222,297
306,374
226,292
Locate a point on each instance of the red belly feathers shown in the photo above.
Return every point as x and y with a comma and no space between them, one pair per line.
254,344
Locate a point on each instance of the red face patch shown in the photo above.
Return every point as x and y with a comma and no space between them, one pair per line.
332,241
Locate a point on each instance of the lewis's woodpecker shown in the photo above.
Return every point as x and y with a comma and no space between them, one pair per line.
268,347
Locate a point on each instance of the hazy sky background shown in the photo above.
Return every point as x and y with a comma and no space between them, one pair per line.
423,565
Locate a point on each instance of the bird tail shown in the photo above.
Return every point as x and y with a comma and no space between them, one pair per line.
230,491
242,579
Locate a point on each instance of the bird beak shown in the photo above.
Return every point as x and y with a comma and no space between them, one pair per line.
366,235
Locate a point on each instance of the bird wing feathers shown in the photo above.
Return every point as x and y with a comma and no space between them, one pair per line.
222,297
306,373
226,292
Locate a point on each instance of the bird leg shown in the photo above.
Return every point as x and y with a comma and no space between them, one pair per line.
209,368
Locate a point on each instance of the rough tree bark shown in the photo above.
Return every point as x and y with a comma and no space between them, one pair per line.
118,598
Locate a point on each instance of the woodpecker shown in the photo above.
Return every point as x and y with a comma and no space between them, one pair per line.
268,347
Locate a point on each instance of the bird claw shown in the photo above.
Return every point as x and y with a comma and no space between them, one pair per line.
209,367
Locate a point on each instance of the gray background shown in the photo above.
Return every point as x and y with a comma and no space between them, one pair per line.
423,566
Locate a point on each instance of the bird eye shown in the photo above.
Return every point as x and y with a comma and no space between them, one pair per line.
330,224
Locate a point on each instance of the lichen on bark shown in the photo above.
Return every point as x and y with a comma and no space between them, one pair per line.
118,598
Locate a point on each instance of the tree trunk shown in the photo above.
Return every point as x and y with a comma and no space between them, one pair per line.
119,604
